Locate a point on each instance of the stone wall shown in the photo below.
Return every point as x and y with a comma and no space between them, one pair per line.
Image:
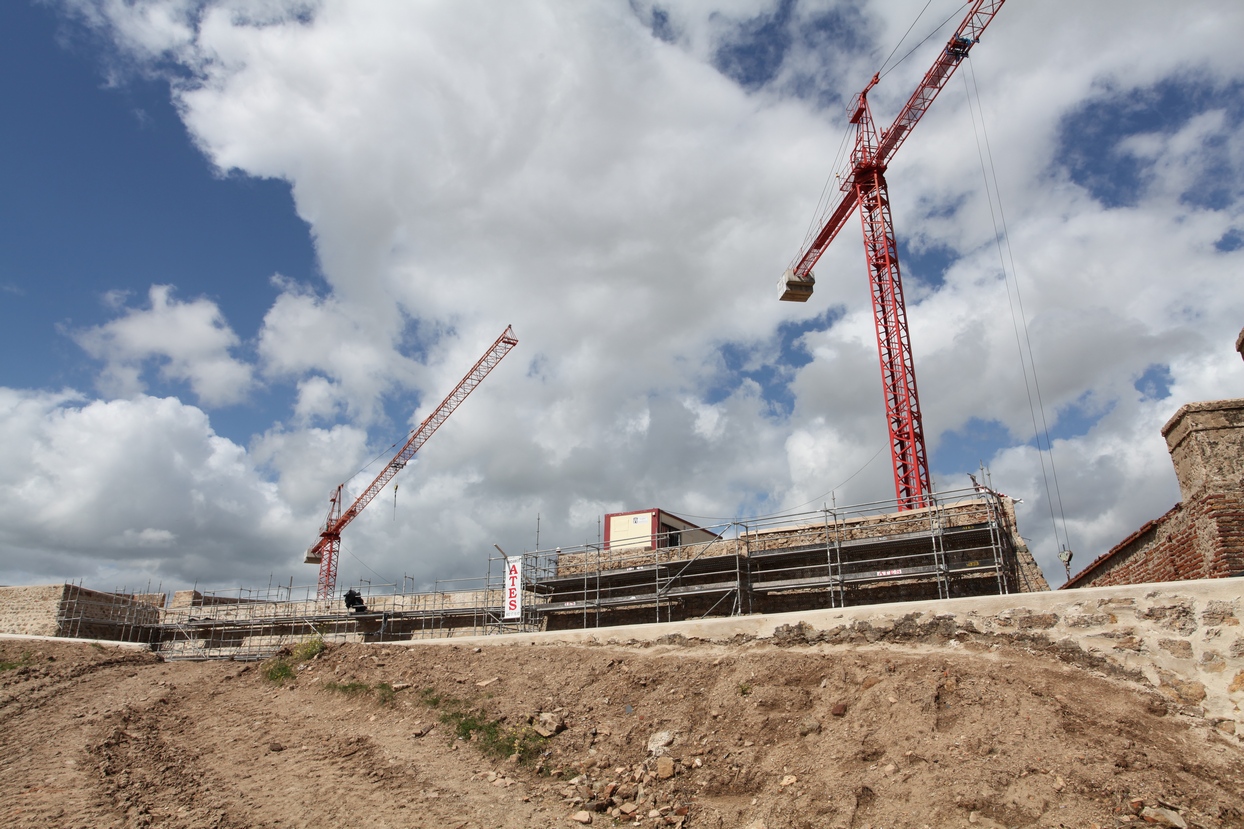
1183,640
1203,535
31,610
71,610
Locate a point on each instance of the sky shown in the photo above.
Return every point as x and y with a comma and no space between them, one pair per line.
247,245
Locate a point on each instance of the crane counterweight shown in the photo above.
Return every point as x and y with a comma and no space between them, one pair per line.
793,288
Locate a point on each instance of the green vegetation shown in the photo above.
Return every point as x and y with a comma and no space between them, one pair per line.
744,689
282,667
385,693
492,737
309,649
21,663
279,670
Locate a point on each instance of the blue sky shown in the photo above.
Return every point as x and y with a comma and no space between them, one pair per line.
244,246
108,194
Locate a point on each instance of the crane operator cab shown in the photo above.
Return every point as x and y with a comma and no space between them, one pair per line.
354,601
793,288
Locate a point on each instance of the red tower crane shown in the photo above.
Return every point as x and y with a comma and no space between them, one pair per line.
865,186
324,552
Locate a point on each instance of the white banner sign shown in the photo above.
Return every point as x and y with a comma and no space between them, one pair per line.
514,587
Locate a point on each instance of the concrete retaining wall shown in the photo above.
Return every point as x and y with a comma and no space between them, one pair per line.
1185,639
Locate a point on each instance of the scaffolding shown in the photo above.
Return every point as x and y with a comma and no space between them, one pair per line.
119,615
964,544
248,625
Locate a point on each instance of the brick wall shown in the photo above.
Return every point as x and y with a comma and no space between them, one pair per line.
1202,537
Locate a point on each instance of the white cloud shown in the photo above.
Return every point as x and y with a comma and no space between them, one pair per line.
132,489
190,341
628,207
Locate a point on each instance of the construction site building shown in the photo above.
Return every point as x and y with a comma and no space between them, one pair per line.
659,568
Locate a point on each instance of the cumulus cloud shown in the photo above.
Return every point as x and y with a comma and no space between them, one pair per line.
189,341
623,183
341,361
116,492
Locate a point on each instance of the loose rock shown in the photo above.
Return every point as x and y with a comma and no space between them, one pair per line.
659,741
1163,817
547,724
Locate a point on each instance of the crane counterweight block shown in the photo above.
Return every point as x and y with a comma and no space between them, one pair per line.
324,552
792,288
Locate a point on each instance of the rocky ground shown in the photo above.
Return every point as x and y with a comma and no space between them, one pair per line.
929,729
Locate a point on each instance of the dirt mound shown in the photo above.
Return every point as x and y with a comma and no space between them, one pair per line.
927,729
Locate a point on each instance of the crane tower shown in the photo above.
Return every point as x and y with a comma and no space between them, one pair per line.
865,186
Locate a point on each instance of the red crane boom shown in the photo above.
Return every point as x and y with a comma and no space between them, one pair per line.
324,552
866,187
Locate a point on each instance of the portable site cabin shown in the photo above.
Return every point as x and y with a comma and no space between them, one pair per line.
651,529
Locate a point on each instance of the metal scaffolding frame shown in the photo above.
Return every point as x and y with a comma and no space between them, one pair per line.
119,615
867,553
964,543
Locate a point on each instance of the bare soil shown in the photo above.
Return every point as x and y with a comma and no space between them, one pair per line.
902,734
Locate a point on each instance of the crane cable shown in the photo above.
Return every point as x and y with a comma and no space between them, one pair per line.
384,453
882,72
788,510
384,579
953,15
1018,319
837,168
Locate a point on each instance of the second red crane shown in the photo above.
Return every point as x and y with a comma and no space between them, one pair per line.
324,552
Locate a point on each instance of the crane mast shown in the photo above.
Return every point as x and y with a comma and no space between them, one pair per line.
865,187
324,552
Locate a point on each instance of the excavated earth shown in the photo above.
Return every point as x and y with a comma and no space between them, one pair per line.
923,730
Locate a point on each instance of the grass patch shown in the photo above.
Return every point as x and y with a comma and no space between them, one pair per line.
492,737
283,666
745,689
279,670
384,692
21,663
432,699
309,649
